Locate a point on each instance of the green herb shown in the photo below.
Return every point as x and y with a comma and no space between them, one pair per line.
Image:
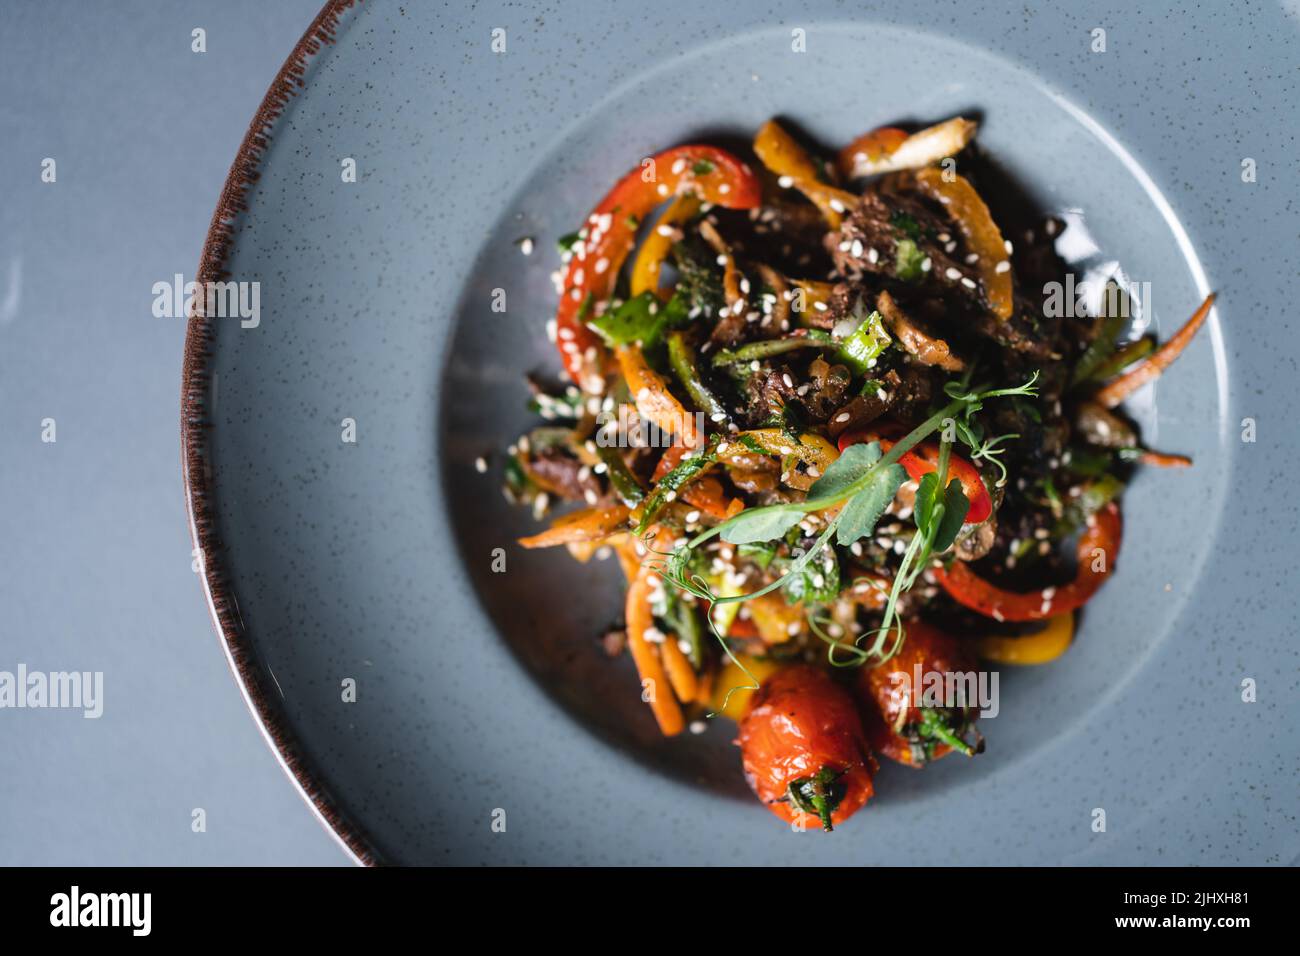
699,281
567,241
905,224
702,167
875,478
861,349
908,259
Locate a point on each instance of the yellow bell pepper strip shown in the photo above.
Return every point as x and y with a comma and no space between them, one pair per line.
888,149
811,449
783,156
774,617
654,401
732,680
640,619
1149,369
1046,645
1102,535
656,246
983,238
814,294
713,174
587,524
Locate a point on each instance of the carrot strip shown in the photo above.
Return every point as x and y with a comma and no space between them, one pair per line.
1149,370
648,665
589,524
1161,460
680,672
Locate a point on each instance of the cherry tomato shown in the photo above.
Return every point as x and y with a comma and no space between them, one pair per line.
803,748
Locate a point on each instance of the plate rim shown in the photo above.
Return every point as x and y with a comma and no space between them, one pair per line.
218,595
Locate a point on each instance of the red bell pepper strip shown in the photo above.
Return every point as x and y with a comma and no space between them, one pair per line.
923,459
1101,539
713,174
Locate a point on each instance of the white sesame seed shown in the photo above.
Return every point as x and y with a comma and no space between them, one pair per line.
968,283
526,246
480,464
1002,267
952,274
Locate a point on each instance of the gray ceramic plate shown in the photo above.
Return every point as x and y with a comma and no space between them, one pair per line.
479,692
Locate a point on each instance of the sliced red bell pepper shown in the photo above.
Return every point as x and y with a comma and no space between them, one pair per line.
923,459
1102,534
713,174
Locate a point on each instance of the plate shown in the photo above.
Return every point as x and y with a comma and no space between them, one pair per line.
434,709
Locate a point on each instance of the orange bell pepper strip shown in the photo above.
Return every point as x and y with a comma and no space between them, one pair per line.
713,174
983,238
654,401
704,492
1149,370
1100,538
923,459
648,664
783,156
588,524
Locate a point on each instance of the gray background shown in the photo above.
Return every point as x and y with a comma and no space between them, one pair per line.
94,551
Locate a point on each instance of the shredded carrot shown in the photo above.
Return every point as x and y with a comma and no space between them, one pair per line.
648,665
588,524
1161,460
1149,369
680,671
704,685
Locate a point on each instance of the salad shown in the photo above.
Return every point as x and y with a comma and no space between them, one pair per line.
819,412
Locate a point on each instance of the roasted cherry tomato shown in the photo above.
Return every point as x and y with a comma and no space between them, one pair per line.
713,174
898,720
803,748
923,459
1098,548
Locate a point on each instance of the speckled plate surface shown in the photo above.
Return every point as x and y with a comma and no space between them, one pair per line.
369,561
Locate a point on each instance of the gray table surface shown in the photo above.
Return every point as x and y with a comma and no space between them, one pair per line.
93,541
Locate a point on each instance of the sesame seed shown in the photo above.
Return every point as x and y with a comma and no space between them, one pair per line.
480,464
968,282
952,274
1002,267
526,246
